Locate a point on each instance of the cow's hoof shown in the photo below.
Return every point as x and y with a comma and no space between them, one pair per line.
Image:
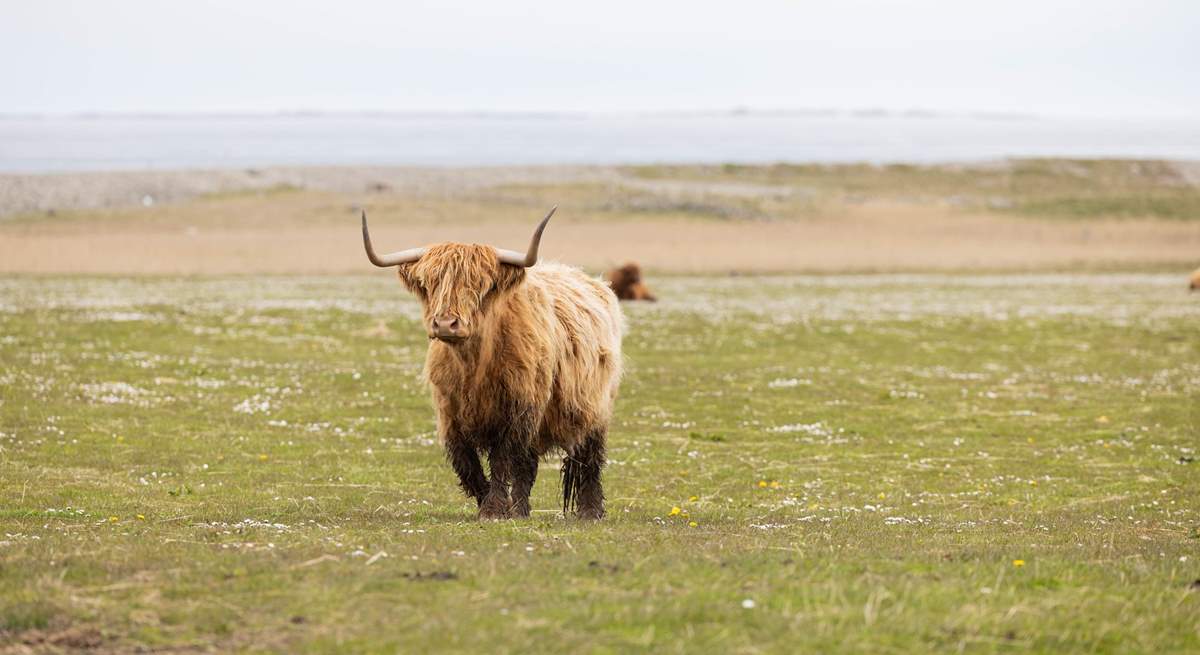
519,513
590,513
493,509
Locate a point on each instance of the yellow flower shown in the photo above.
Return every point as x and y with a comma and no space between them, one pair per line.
675,511
1102,419
1033,483
1030,440
882,495
692,499
692,524
113,519
141,517
262,458
762,484
1018,563
775,484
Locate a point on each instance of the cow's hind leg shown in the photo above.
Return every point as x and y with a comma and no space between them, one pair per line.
581,477
525,469
465,460
495,503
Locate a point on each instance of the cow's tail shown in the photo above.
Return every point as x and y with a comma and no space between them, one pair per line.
581,476
572,476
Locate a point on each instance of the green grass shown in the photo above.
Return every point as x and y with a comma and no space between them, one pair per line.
222,462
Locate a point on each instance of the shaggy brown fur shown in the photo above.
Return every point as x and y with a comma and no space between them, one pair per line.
538,370
626,282
1195,281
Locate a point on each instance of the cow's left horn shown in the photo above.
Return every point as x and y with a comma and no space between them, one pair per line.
391,259
530,257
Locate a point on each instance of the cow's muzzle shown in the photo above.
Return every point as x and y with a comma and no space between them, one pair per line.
447,328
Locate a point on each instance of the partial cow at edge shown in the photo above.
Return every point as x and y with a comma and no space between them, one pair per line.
626,282
1195,281
524,359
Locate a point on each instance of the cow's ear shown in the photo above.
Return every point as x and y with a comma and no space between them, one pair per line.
405,271
509,276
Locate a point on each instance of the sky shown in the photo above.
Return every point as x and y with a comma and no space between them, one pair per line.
1087,58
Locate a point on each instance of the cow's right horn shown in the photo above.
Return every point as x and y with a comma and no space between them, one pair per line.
391,259
530,257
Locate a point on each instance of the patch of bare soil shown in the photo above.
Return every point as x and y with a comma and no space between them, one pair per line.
875,237
70,640
666,225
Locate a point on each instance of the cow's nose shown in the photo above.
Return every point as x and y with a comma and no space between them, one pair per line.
446,326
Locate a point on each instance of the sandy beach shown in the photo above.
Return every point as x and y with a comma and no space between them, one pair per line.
678,220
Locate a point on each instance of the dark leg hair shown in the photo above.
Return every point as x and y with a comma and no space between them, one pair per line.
525,469
465,460
581,477
495,503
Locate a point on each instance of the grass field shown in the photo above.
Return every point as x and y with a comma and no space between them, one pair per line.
798,464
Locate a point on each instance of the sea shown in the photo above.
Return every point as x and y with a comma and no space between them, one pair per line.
107,142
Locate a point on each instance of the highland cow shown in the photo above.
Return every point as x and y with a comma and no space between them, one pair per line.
626,282
524,359
1194,283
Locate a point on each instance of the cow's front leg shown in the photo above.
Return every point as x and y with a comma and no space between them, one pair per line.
495,503
525,469
465,460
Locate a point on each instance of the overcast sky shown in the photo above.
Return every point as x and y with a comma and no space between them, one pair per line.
1084,58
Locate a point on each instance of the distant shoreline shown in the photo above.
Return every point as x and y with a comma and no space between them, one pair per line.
34,193
826,112
167,142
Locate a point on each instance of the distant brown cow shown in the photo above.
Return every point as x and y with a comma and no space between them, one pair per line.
1195,284
627,283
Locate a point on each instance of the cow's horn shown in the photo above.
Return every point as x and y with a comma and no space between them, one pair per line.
529,258
392,259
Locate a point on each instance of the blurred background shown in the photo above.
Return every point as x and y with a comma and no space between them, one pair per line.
139,136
